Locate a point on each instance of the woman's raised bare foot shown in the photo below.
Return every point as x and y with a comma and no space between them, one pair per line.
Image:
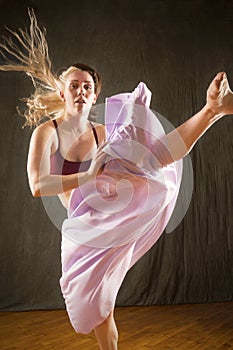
219,95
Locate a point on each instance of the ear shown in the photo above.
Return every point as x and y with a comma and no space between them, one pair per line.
95,99
62,96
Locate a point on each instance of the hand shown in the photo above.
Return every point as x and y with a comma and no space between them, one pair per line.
219,95
98,161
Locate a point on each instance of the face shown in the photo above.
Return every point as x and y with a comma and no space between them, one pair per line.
79,92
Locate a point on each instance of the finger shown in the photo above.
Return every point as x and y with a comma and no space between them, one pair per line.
218,80
100,150
102,157
224,85
218,85
220,76
102,145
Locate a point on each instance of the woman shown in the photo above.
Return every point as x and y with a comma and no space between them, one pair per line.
69,157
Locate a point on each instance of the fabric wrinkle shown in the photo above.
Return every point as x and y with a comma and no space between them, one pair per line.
114,220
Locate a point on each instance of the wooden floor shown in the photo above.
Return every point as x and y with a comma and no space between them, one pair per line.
176,327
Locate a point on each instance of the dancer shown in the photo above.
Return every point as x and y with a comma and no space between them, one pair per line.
107,176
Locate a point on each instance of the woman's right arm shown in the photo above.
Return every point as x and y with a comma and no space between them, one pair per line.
41,182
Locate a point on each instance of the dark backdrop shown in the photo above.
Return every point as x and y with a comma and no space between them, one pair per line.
176,47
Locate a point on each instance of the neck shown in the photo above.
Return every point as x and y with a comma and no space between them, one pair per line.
78,121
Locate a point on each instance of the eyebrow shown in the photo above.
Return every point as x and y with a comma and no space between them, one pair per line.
86,81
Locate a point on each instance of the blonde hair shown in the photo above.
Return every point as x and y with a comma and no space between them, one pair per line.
34,60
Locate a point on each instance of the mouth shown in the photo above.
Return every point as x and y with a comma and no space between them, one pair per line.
80,101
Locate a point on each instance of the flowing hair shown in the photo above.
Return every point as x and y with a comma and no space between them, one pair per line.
30,49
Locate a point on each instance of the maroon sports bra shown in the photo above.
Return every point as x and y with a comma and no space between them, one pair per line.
61,166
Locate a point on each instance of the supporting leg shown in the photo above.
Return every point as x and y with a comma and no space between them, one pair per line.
107,334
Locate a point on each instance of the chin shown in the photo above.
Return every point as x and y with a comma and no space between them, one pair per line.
84,107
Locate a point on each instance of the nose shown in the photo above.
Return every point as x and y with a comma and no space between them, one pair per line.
80,91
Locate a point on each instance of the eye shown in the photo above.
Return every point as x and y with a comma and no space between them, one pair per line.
88,87
73,86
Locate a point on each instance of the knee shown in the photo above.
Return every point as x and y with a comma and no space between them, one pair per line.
116,336
109,328
113,335
112,328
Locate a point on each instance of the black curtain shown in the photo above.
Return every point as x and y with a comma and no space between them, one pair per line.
176,48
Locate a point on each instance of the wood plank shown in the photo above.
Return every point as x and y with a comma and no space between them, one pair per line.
174,327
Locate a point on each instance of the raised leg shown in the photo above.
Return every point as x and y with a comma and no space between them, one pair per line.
219,102
107,334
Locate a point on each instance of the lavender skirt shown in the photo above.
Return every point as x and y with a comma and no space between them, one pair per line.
113,221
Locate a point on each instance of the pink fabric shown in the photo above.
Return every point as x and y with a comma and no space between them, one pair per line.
116,219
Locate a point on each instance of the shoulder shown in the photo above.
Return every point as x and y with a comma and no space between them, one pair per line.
45,128
44,131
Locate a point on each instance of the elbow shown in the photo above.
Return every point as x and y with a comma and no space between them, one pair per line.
36,184
35,188
35,191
